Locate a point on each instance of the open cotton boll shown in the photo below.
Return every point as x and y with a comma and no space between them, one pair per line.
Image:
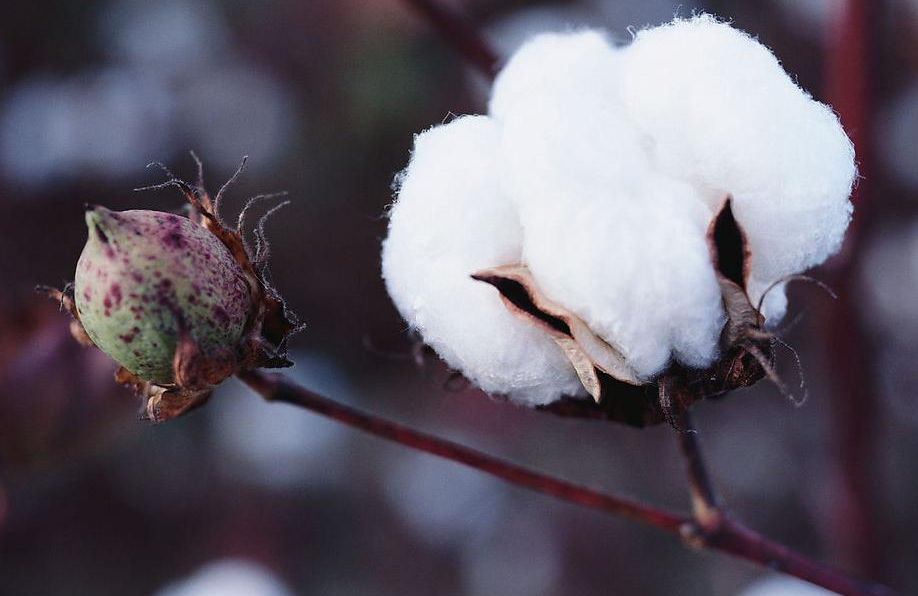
725,116
783,586
555,62
607,237
449,221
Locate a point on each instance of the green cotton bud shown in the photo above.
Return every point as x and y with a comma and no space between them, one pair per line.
147,279
181,303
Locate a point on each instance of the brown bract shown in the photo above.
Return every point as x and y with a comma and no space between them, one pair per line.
268,327
618,393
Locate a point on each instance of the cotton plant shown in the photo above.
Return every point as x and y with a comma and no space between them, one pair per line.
620,225
621,217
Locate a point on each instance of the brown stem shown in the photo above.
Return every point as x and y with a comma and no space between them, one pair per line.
739,541
728,536
457,31
713,528
274,387
705,504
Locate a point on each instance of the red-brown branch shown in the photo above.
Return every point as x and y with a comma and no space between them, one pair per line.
705,503
274,387
857,528
714,528
458,32
727,536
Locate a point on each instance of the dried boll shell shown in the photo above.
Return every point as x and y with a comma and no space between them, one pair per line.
146,279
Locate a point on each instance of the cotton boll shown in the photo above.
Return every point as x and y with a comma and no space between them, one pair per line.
607,237
228,577
784,586
555,63
726,117
448,222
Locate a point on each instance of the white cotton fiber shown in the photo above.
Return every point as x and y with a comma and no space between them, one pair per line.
555,62
784,586
727,118
449,221
600,169
607,236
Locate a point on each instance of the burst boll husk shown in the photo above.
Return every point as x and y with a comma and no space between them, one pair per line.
181,303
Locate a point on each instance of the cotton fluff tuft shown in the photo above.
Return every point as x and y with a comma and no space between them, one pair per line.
783,586
607,236
726,117
600,169
449,221
569,63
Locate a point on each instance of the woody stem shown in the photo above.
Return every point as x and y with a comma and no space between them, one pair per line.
727,536
705,503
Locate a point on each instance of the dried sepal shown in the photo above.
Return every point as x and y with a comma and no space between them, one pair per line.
65,299
162,403
271,323
195,370
589,355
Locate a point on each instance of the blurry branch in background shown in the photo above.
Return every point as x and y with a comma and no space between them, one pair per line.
459,32
855,526
709,528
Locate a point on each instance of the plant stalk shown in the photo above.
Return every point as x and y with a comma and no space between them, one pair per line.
728,536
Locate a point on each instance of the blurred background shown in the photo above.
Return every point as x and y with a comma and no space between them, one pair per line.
242,497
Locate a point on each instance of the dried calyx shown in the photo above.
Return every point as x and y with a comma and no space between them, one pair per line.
180,302
617,392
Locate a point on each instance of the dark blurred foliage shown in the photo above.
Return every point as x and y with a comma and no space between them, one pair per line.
325,98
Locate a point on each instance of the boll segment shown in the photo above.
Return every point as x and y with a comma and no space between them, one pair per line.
145,278
437,239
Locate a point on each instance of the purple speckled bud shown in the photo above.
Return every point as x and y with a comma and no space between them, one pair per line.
145,277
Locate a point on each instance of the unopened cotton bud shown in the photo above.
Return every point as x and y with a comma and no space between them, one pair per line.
146,277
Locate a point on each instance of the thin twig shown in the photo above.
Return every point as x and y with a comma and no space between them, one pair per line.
274,387
705,503
729,536
458,32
